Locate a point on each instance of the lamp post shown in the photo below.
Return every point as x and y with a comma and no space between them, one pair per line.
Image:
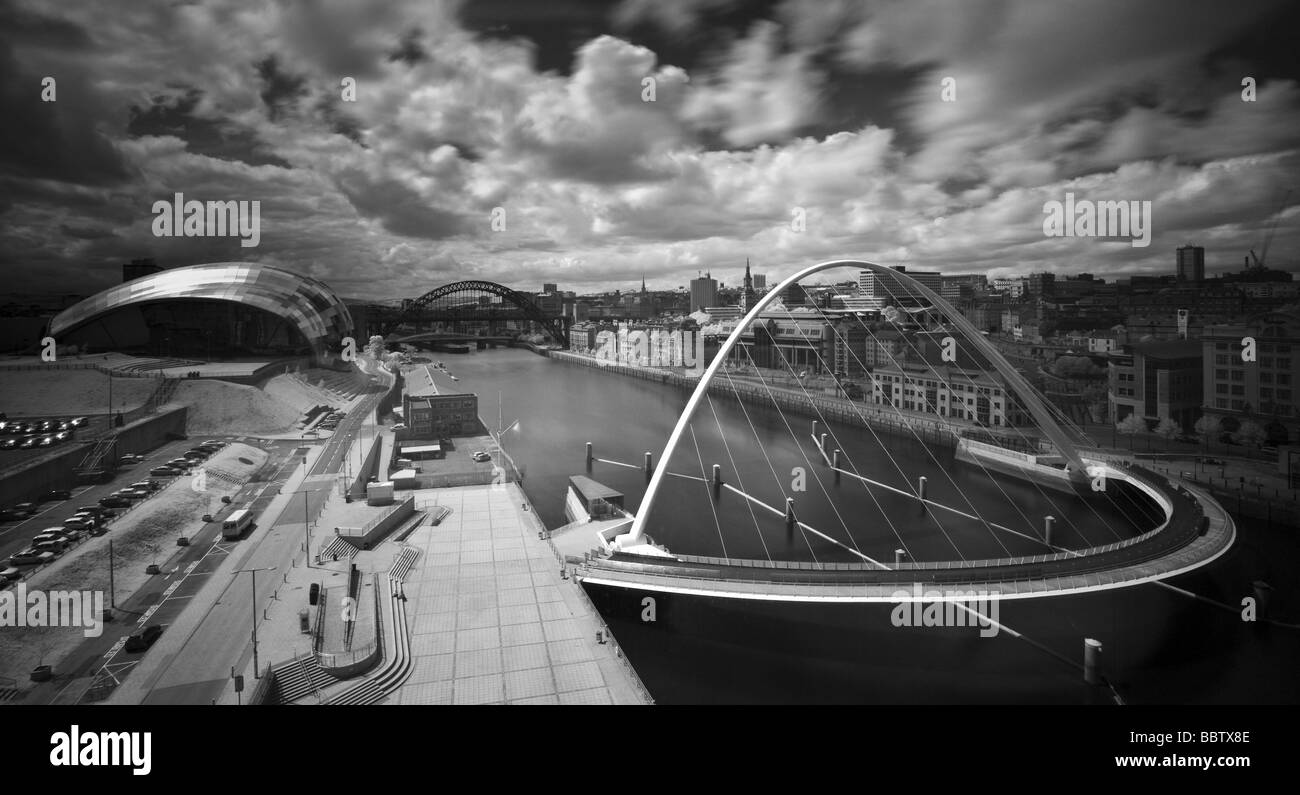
253,604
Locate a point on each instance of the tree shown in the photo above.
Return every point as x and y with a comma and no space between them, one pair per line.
1249,433
1130,425
375,347
1168,429
1208,428
1075,367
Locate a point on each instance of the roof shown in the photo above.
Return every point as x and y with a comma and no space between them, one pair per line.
591,490
423,448
426,382
306,302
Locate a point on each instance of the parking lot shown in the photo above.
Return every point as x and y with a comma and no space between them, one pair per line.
16,534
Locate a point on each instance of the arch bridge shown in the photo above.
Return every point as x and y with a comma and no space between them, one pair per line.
480,305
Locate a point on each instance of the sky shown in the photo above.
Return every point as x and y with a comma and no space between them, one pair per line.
515,141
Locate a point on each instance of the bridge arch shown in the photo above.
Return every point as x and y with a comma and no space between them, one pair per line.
1033,402
442,298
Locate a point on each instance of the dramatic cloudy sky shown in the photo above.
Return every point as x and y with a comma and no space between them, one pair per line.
832,106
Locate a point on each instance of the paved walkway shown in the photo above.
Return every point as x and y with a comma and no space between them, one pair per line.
494,622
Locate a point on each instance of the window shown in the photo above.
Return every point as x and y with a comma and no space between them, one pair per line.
1221,375
1265,394
1238,389
1221,358
1236,405
1220,403
1221,389
1284,394
1284,379
1266,378
1238,375
1266,361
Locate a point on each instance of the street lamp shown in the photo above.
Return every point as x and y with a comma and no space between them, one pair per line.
253,604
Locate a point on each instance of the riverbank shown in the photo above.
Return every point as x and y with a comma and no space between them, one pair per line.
802,402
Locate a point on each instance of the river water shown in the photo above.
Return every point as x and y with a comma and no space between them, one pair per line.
1211,656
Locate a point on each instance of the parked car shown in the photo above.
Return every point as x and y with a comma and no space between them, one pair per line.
112,501
29,442
164,472
56,495
77,422
24,509
127,461
143,640
30,557
9,444
481,456
151,485
81,522
10,573
98,511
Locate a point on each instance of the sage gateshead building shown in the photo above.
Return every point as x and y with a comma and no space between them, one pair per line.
214,311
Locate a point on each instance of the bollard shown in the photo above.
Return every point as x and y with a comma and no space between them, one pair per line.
1092,661
717,481
600,637
789,513
920,488
590,456
1048,522
649,465
835,464
821,444
899,555
816,428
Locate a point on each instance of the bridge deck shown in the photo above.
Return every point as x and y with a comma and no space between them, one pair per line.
1177,547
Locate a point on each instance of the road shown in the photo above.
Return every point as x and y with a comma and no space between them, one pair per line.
199,671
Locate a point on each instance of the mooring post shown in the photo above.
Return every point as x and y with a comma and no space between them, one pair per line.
590,456
835,464
649,465
789,513
1048,522
899,556
822,443
816,428
1092,661
920,489
717,481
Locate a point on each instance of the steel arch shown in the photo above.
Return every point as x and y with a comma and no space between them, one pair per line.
1017,381
557,326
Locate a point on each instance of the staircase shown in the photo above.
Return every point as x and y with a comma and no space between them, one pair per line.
93,466
398,669
9,691
301,677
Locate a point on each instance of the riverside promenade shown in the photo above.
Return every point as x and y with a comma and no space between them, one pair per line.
488,617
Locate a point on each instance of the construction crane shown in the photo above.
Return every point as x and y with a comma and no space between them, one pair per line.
1268,238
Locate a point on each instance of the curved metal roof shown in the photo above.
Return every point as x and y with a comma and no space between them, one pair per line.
310,304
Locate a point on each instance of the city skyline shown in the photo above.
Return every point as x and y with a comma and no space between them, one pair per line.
484,141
